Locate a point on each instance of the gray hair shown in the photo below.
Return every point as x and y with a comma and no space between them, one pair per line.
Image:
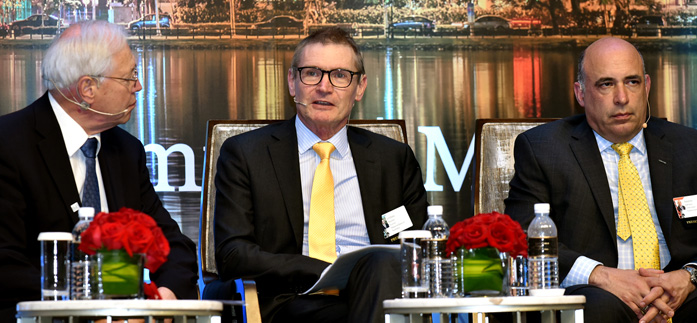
330,35
580,77
85,48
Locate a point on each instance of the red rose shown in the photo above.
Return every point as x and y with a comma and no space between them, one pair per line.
484,219
474,236
130,230
150,290
138,238
144,219
118,217
502,237
158,252
112,235
488,230
90,240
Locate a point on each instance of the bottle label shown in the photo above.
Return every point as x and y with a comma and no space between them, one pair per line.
545,246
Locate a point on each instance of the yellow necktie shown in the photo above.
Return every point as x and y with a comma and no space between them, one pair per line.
322,227
634,217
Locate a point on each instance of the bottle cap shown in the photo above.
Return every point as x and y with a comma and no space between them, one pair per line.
415,234
435,209
85,213
541,207
60,236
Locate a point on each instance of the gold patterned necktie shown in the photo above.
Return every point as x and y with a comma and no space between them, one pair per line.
634,217
322,226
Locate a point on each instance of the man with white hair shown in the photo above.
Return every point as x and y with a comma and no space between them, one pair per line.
92,79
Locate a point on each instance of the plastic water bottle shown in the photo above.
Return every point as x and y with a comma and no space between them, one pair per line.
439,266
543,258
80,262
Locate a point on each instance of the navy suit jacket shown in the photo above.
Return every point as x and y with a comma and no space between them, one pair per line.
259,206
559,163
37,189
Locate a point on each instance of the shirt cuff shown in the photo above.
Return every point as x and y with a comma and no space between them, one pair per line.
580,271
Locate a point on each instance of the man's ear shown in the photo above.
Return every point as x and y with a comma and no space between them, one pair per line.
291,82
578,91
87,88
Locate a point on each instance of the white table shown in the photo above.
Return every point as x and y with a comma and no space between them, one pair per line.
151,310
411,310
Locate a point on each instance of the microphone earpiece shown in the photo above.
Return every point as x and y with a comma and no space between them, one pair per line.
298,102
646,124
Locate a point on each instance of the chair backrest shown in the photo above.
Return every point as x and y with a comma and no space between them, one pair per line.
494,140
218,131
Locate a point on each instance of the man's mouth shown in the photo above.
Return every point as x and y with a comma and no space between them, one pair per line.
320,102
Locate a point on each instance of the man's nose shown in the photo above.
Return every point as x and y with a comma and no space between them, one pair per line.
621,97
139,86
325,85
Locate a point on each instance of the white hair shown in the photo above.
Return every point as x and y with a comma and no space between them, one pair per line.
85,48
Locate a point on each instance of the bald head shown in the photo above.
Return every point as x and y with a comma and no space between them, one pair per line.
604,49
613,89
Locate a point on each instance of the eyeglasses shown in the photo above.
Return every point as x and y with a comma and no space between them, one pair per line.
133,78
337,77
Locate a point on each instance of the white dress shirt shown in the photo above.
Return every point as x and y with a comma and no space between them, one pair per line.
74,137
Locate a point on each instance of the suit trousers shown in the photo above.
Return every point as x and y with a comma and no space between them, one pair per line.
376,277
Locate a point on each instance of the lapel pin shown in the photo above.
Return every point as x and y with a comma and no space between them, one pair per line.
75,207
662,161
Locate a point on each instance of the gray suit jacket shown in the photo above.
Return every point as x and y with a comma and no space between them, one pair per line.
259,210
559,163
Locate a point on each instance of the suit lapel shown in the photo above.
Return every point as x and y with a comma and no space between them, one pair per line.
369,180
661,169
111,171
585,149
56,159
284,157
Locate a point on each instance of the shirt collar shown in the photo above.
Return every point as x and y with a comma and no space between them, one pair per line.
638,142
307,139
73,134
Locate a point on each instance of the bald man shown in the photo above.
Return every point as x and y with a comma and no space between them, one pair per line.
571,164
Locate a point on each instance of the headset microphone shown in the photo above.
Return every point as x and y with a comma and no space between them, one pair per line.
649,115
85,106
298,102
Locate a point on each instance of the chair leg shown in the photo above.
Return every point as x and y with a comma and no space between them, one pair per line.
251,302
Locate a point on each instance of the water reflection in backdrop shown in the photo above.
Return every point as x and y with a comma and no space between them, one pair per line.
448,89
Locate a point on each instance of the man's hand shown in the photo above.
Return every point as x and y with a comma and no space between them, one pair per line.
675,284
166,293
627,285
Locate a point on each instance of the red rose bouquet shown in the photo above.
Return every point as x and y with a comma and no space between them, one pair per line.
488,230
130,230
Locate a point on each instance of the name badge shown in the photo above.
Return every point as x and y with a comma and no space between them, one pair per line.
686,206
396,221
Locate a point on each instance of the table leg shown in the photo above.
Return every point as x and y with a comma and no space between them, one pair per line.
549,316
572,316
479,318
395,318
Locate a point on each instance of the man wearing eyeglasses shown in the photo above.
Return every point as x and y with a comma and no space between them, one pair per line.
45,161
268,184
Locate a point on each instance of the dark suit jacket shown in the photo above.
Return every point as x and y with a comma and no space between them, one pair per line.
37,189
559,163
259,210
